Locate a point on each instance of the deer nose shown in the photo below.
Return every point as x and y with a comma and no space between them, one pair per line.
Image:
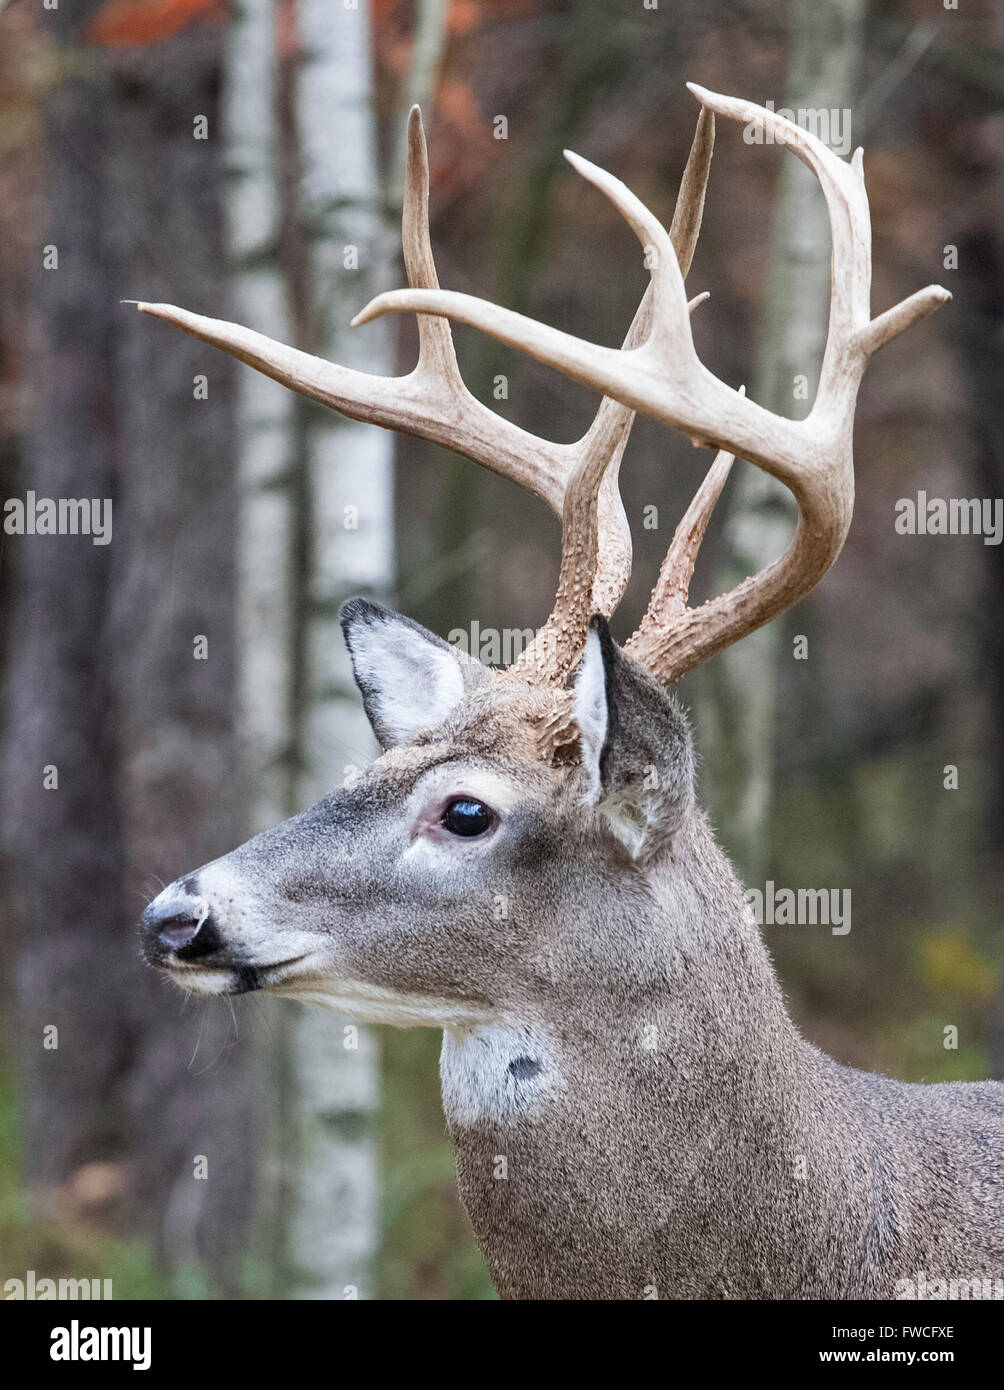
182,926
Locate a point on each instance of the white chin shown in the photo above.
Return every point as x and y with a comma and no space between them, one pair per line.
375,1004
195,981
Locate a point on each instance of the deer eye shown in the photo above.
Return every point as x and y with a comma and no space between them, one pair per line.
466,817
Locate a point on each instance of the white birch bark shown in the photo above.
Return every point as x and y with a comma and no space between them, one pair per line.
264,414
334,1217
266,445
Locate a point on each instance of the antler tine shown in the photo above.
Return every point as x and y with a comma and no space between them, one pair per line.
664,379
437,358
689,211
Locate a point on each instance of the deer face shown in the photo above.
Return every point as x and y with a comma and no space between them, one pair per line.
456,881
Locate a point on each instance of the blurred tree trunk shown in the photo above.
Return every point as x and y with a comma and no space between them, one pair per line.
979,314
104,683
981,292
825,39
258,228
346,527
981,278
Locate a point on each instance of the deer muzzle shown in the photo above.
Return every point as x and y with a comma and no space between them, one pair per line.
192,932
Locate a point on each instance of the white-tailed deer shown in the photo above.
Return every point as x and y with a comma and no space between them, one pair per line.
526,867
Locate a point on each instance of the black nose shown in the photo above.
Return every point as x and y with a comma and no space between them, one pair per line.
181,927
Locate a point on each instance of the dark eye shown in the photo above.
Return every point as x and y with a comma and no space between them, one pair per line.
468,818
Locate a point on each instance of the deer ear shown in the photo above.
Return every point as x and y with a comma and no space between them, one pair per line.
409,678
593,706
636,748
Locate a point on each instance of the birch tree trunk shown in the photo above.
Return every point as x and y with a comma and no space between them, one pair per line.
348,526
264,415
824,61
266,444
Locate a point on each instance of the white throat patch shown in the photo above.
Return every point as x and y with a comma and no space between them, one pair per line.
497,1073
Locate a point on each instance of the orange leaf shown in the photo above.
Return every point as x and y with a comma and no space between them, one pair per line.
463,16
456,102
121,22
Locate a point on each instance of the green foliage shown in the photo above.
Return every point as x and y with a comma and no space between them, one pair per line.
921,954
58,1248
427,1248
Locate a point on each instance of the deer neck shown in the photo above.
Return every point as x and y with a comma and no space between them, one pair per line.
614,1148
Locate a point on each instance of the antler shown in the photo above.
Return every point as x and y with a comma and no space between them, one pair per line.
663,377
556,649
578,481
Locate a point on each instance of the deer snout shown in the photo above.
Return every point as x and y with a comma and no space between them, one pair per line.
178,926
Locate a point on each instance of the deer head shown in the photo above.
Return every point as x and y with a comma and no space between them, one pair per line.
529,837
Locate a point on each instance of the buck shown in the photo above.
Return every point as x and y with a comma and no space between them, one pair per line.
526,867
